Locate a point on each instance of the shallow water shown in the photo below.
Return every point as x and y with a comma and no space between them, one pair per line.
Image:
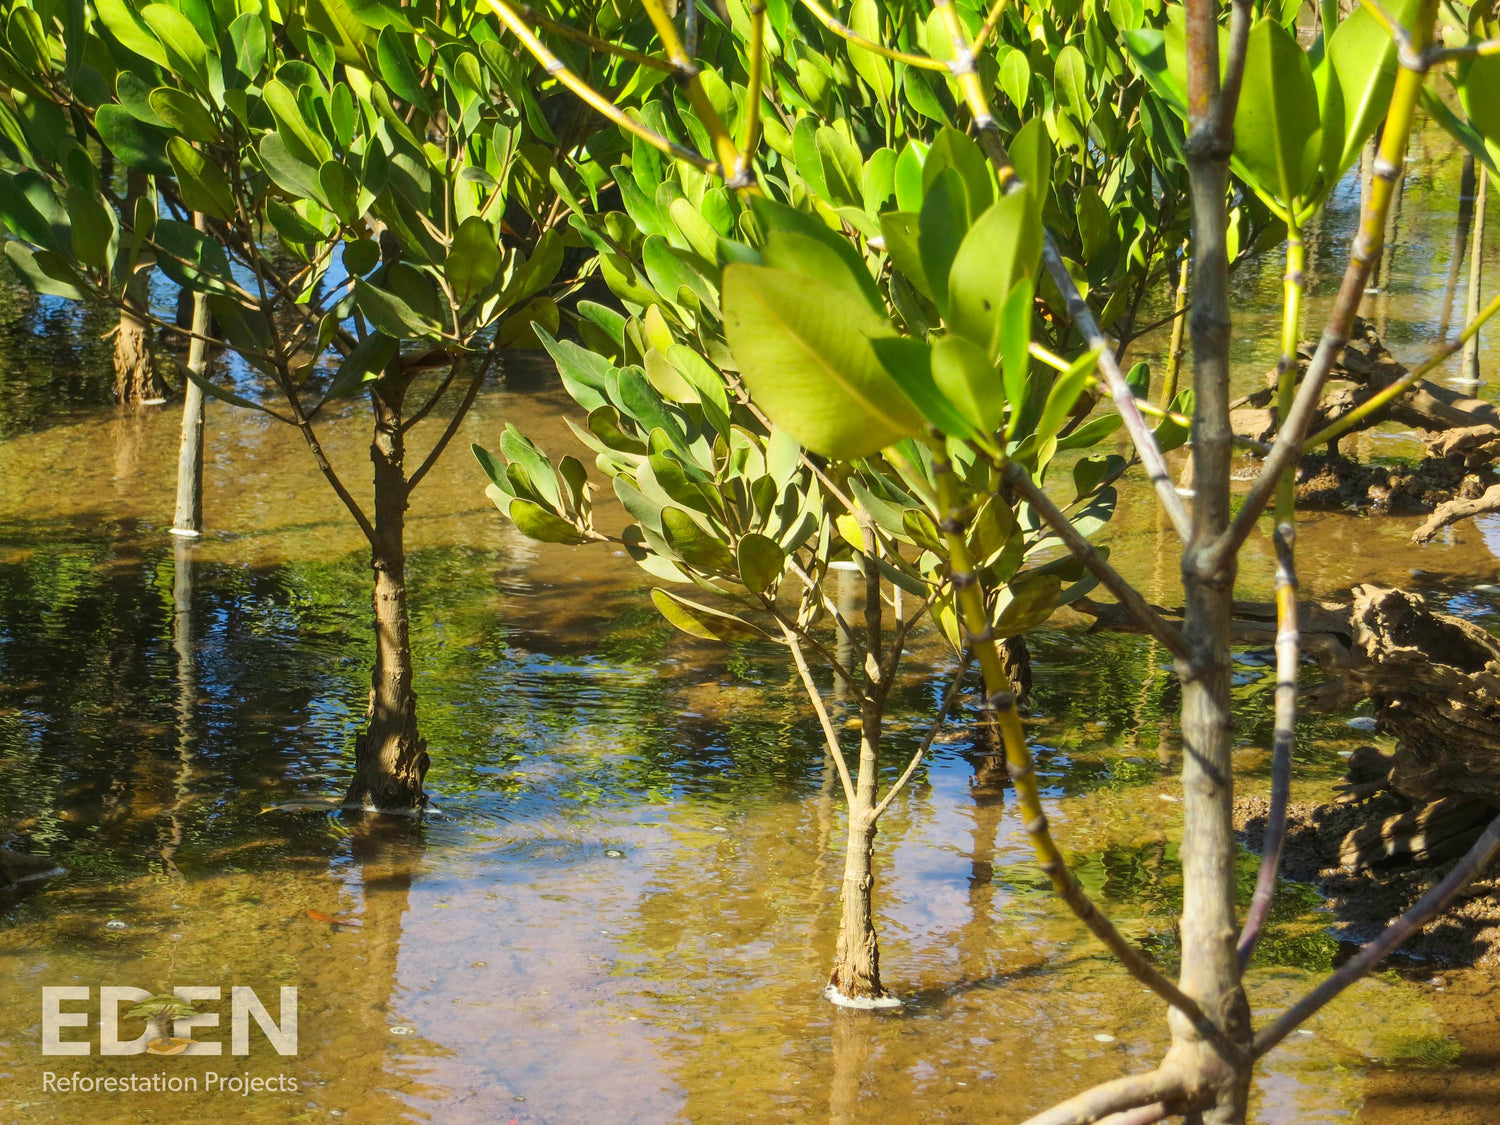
626,906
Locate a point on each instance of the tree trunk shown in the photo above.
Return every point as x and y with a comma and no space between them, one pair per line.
188,519
136,381
390,758
855,980
1210,971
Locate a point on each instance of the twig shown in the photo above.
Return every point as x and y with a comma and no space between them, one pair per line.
1130,1092
1019,479
1427,907
937,724
453,424
815,697
591,97
843,31
1288,653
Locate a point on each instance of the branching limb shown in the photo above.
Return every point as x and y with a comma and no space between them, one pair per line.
1288,653
1163,1085
1427,907
932,731
1456,510
453,423
591,97
1001,700
1019,479
962,70
843,31
1365,253
753,90
815,697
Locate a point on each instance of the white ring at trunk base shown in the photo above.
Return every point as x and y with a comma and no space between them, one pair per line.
185,532
862,1003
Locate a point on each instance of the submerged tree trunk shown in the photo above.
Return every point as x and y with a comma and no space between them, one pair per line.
390,756
855,979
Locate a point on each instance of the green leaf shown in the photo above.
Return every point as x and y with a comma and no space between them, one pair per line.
535,469
1015,78
1064,395
1026,604
1091,472
293,175
365,362
701,621
1070,83
135,144
761,563
186,53
474,258
810,364
297,136
183,112
910,363
130,30
1002,248
967,377
396,68
340,189
952,150
1277,116
203,186
392,315
535,522
29,264
1479,91
777,219
1363,57
584,373
864,20
940,232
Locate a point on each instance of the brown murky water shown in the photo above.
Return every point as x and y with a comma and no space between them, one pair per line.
626,907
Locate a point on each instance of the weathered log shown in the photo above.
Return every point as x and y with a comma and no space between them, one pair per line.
1440,696
1455,510
1441,830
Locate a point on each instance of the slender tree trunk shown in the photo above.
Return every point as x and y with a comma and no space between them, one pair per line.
1210,971
1471,378
136,381
856,959
188,519
390,757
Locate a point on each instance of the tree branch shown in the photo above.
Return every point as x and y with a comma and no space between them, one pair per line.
1427,907
1164,1084
937,724
815,697
1019,479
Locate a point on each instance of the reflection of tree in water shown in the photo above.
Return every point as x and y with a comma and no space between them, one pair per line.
53,358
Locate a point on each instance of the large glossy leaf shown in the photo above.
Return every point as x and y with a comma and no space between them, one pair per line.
1363,56
810,365
1026,604
968,379
940,232
392,315
1479,90
1000,249
136,144
912,364
535,522
473,259
864,19
1277,117
776,218
130,30
203,185
702,621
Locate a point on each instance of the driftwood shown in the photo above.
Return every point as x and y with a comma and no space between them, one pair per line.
1435,683
1438,692
1455,510
1365,368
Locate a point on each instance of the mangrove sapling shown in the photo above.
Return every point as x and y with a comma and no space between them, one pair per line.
1369,66
723,500
365,195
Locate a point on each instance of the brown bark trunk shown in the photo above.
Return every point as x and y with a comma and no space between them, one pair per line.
855,980
136,381
390,758
1210,971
